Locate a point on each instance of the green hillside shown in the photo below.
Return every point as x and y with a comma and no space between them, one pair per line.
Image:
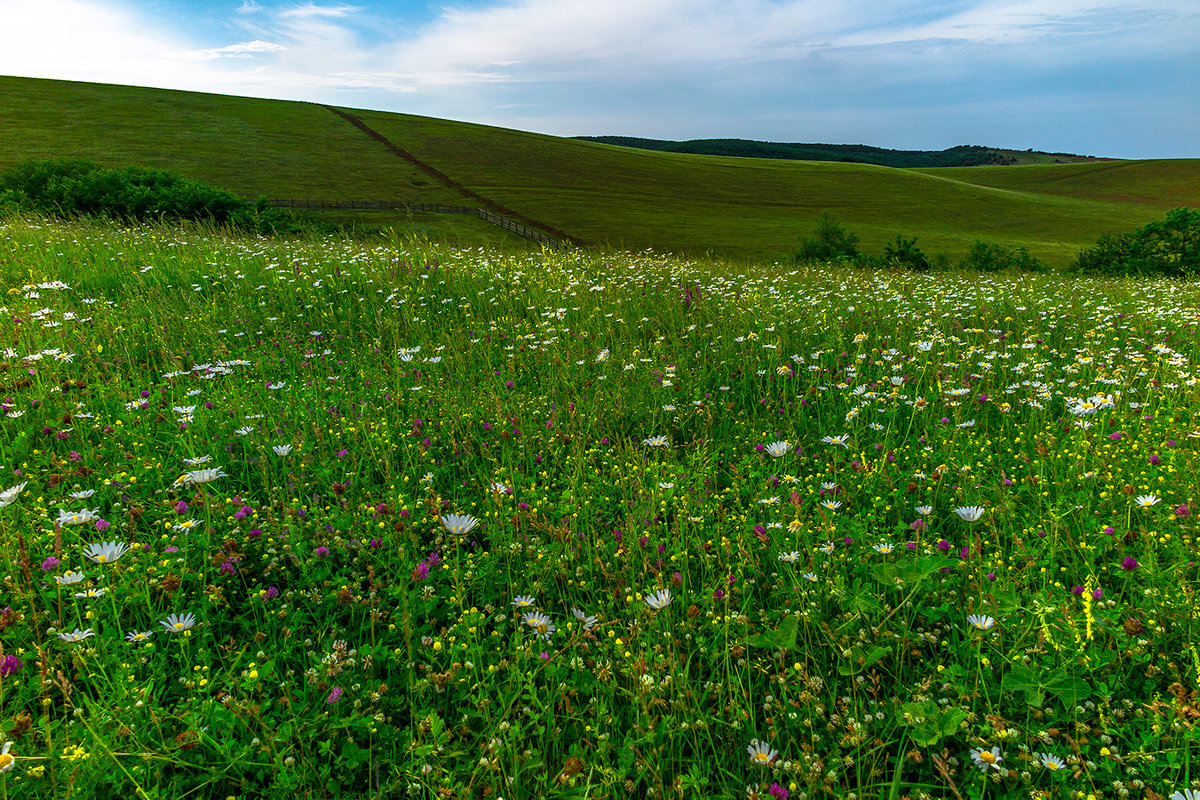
604,195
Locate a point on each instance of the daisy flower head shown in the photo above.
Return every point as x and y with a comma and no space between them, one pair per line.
924,511
761,753
778,449
1185,794
138,637
810,576
540,623
657,441
588,620
843,440
88,594
77,635
105,552
970,513
981,622
10,494
1049,761
68,578
81,517
201,476
1148,500
790,558
459,524
282,449
6,761
827,548
523,601
987,759
883,548
178,623
831,505
659,600
83,495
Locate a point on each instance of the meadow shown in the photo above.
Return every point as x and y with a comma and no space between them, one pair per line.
333,518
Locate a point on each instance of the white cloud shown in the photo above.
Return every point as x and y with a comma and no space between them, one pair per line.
754,68
243,50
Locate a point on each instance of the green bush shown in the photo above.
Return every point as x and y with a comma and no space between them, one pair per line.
905,253
74,187
1170,246
830,242
993,257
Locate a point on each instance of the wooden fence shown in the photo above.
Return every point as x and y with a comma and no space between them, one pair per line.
434,208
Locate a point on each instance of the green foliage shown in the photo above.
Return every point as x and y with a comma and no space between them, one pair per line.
77,187
993,257
1170,246
830,242
905,253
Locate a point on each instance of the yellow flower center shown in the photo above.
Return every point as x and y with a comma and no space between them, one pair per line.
987,758
6,762
101,559
762,758
1053,765
178,626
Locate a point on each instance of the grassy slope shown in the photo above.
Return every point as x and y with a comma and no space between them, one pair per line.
755,207
605,195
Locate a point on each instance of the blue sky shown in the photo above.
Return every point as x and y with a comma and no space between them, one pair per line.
1097,77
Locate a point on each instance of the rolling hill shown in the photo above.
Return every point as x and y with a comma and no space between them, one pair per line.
605,195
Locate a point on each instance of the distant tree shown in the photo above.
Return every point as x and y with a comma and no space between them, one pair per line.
1170,246
830,242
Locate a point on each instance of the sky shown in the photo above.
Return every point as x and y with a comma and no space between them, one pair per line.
1117,78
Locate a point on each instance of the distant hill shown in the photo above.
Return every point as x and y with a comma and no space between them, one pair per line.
967,155
744,208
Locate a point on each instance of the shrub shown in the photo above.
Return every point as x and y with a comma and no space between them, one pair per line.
1170,246
905,253
830,242
993,257
72,187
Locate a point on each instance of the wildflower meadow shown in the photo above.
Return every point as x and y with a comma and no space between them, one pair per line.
330,518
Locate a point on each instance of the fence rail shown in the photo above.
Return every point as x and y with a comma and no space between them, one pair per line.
435,208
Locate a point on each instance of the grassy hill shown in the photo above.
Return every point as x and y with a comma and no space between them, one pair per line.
605,195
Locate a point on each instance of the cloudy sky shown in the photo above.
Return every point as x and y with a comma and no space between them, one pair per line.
1096,77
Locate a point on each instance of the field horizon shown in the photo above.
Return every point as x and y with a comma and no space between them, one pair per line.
607,196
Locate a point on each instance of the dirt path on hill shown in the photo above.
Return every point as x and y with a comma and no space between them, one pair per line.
446,180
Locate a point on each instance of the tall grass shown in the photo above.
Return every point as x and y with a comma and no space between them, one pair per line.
723,540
